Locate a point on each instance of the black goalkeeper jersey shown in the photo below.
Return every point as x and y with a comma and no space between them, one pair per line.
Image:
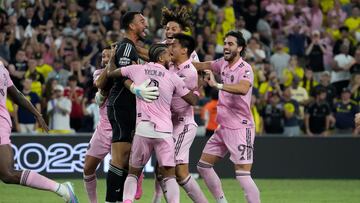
126,55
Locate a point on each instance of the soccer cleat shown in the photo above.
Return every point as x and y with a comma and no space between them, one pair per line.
71,198
139,191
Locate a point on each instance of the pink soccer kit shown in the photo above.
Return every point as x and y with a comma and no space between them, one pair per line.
157,112
100,143
5,120
183,113
154,127
236,131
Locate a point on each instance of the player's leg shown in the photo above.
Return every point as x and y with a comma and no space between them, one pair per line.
240,144
184,137
99,147
158,193
120,151
140,155
30,178
214,151
165,152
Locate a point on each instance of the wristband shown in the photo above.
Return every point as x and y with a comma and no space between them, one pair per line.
219,86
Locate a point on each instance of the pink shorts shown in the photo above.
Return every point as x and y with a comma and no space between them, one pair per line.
4,132
184,136
239,142
100,143
142,148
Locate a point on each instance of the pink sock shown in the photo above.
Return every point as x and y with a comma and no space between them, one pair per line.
90,185
193,190
139,191
35,180
130,188
251,191
171,190
211,179
158,192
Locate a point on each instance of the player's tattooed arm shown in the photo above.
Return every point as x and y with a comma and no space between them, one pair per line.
20,100
241,88
143,53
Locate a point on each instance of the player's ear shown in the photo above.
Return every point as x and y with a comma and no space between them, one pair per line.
239,49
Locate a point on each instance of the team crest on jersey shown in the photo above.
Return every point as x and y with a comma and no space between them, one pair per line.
241,65
247,74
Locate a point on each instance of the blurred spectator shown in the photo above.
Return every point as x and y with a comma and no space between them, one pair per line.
317,115
279,60
259,123
75,94
315,52
314,16
297,39
36,77
337,12
17,68
355,88
252,16
254,51
59,73
209,113
353,21
59,109
273,115
26,120
309,82
355,68
93,111
340,76
344,39
240,25
344,112
42,67
293,70
300,95
270,85
291,114
331,93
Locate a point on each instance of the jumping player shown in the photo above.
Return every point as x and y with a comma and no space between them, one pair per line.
237,130
7,173
154,126
121,105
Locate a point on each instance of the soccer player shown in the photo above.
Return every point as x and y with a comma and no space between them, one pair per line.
173,21
237,129
121,105
7,173
100,142
154,126
183,116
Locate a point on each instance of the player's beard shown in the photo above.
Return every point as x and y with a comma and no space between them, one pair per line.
231,56
140,34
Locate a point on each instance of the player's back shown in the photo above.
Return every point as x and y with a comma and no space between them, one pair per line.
5,82
126,55
169,84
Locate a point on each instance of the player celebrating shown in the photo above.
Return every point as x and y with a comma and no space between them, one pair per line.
121,105
154,126
177,21
183,114
7,173
100,142
236,132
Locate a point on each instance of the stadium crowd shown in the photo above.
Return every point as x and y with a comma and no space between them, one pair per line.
305,56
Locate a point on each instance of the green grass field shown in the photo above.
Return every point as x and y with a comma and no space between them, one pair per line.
272,191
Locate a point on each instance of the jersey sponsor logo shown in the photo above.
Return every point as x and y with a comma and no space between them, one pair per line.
123,61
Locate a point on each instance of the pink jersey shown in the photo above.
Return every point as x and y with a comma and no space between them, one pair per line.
187,72
169,85
233,111
5,83
193,56
104,121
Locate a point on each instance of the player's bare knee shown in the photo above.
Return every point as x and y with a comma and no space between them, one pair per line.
88,169
243,167
182,172
168,171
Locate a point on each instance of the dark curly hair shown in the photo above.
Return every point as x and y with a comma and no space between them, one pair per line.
180,15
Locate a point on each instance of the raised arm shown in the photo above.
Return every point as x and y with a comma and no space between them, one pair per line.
202,65
20,100
191,98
